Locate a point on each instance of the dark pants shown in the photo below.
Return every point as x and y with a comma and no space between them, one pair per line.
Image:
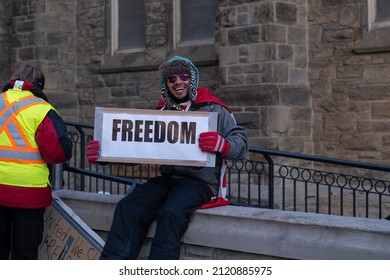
168,201
21,233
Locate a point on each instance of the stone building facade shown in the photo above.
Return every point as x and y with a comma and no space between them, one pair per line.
302,76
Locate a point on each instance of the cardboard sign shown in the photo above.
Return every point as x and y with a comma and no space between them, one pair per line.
153,136
66,236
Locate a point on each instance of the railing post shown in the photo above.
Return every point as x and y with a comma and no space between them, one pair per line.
56,176
82,155
271,179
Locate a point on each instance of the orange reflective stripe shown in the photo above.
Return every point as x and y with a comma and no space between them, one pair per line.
27,161
6,104
22,149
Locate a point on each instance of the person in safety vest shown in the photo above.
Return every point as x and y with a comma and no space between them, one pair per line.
32,135
171,198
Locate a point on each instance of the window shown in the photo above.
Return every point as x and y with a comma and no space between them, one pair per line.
378,22
186,27
193,22
383,11
128,25
378,13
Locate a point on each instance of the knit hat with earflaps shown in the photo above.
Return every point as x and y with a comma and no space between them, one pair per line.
168,69
178,65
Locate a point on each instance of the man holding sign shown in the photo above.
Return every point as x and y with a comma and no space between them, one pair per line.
171,198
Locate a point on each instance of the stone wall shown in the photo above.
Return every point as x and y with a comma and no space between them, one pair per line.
350,91
289,68
5,41
263,68
43,33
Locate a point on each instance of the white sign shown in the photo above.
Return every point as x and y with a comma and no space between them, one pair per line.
153,136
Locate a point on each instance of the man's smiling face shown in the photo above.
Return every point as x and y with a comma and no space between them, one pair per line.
178,85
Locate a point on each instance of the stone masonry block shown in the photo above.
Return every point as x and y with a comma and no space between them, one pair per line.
242,19
296,35
16,40
25,25
265,122
56,38
250,120
349,71
333,36
360,141
299,128
259,95
262,52
294,95
380,110
300,113
261,12
374,126
292,144
297,76
253,79
376,74
350,15
285,13
275,73
49,23
376,92
47,53
273,33
227,16
318,16
285,52
331,104
25,54
332,122
237,69
242,36
279,118
229,55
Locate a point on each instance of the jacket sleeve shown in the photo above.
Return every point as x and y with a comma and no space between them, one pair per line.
51,136
234,134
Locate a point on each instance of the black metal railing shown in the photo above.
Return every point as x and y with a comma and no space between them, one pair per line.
267,179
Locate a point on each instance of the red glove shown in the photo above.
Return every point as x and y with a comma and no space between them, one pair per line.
213,142
93,151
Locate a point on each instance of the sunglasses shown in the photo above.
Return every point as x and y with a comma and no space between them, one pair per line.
173,79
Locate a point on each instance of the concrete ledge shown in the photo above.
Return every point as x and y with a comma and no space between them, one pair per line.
273,233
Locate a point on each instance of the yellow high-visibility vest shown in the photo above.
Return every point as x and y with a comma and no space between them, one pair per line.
21,163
